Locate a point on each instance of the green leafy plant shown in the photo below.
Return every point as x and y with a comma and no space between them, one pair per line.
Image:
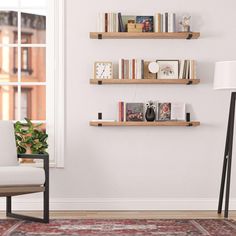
30,137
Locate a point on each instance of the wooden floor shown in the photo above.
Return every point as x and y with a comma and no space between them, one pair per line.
131,215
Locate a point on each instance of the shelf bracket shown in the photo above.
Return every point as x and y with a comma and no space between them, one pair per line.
99,82
190,124
99,125
190,36
190,83
99,36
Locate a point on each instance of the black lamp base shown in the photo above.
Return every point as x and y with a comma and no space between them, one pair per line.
226,173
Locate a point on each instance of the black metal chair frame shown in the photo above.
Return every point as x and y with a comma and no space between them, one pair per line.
45,219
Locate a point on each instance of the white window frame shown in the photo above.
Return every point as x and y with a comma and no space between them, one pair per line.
55,89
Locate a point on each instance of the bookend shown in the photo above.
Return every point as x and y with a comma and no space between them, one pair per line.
99,36
190,35
99,82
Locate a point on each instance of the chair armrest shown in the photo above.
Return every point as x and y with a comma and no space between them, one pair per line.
33,156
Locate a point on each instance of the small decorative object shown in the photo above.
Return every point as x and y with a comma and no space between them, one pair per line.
134,112
147,73
168,69
147,22
103,70
126,19
30,139
99,116
135,28
150,114
188,117
153,67
164,111
185,23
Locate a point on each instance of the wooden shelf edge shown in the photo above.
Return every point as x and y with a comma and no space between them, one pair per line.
145,81
152,124
151,35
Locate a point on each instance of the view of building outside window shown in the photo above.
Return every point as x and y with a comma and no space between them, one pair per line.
22,61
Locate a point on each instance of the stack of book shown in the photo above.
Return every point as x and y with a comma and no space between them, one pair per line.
188,69
108,22
165,111
131,69
165,22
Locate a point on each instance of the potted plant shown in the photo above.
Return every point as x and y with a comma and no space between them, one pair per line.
30,139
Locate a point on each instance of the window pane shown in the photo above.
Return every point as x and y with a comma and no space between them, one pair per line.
7,94
33,64
9,3
8,64
8,26
33,102
33,27
33,3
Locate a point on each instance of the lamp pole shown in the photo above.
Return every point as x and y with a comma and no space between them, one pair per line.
227,159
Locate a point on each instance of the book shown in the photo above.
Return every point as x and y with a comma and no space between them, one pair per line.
147,21
166,22
134,112
164,111
181,71
178,111
121,25
171,22
158,22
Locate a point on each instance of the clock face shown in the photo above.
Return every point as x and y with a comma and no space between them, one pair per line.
103,70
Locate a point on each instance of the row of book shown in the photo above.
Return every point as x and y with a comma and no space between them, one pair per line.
116,22
172,69
163,111
165,22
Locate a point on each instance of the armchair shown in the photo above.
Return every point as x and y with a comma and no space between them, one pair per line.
19,180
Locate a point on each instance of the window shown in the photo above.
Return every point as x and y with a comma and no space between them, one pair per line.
32,68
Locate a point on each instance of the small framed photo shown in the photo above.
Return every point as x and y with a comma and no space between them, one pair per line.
169,69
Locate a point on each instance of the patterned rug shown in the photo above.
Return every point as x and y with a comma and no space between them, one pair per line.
119,227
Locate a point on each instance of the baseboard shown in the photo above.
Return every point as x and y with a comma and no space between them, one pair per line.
72,204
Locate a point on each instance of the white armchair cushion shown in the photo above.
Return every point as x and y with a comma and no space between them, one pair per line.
21,175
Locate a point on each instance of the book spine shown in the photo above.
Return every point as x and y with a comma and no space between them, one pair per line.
181,71
121,24
123,69
142,69
117,23
106,22
130,69
124,111
166,22
158,22
120,68
133,68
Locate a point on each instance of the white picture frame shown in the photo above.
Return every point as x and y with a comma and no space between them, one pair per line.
169,69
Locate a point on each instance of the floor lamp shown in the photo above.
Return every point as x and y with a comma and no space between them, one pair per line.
225,78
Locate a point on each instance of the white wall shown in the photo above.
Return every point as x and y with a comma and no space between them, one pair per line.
144,168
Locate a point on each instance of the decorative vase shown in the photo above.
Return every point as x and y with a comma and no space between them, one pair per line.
150,114
27,160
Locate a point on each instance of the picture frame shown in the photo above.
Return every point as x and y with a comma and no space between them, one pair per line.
169,69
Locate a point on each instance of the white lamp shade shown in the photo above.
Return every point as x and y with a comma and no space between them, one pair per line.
225,75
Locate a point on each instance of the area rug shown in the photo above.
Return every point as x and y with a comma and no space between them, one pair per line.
119,227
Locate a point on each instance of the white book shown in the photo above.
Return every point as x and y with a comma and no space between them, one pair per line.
178,111
163,23
190,69
181,71
117,23
171,22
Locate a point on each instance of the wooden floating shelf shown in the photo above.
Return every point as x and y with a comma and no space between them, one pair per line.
156,123
145,81
151,35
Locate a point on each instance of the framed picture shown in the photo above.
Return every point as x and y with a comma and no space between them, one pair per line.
147,22
169,69
134,112
164,111
103,70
